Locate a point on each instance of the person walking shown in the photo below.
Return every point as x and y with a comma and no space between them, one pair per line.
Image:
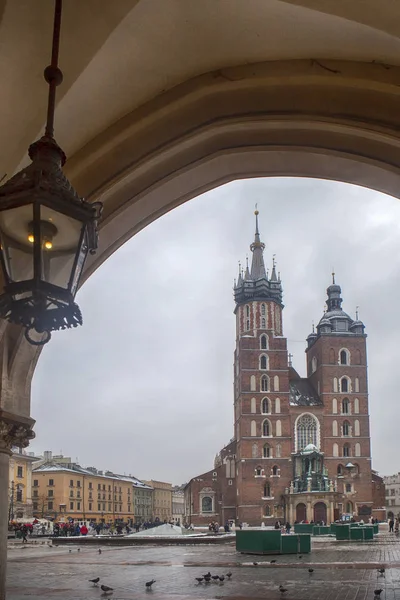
288,527
391,525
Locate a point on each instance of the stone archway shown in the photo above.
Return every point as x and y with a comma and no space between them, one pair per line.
320,512
301,512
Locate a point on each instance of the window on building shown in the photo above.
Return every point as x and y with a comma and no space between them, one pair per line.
275,470
78,506
307,428
264,383
71,483
263,363
98,486
90,485
344,357
35,506
344,385
50,506
51,493
267,490
78,494
104,506
392,502
340,470
345,406
35,482
263,310
264,342
263,323
206,504
278,450
71,506
104,486
78,484
265,406
35,493
71,493
98,506
266,428
346,450
346,428
20,472
392,492
109,488
258,471
19,495
129,508
90,506
109,507
348,487
266,451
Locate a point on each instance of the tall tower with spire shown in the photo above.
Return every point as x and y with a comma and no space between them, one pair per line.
262,421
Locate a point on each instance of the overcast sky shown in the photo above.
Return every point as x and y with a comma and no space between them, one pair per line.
145,386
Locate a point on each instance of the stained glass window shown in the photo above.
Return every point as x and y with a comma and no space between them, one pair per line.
306,431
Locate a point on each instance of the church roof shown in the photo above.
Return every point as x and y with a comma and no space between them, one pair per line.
302,393
254,283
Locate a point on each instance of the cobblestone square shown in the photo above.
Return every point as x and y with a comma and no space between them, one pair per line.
345,571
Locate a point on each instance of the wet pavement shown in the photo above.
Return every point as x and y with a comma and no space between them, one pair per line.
345,571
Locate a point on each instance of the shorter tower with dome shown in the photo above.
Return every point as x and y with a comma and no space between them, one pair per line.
301,445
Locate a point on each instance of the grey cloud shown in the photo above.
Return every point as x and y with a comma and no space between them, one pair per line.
145,386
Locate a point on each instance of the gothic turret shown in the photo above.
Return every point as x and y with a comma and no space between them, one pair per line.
255,285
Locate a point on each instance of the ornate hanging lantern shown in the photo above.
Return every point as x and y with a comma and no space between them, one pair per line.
46,231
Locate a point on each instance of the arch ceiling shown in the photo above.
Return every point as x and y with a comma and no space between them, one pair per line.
163,99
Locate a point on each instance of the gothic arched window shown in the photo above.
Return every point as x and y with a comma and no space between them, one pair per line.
267,490
267,511
344,385
266,428
264,362
345,406
258,471
264,383
344,357
346,428
266,406
346,450
275,470
266,451
264,342
307,431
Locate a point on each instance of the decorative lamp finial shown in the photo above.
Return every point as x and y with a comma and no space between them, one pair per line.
333,276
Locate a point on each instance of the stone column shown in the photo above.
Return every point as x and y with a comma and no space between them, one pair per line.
12,433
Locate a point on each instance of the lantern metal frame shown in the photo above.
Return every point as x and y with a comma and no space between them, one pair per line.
38,305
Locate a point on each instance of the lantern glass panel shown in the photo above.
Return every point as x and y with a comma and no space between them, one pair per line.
60,241
17,243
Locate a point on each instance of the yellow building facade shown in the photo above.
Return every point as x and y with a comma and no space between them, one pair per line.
20,478
61,492
162,499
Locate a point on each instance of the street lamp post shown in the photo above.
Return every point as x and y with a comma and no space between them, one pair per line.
46,231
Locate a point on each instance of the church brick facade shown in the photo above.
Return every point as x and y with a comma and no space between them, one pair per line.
301,446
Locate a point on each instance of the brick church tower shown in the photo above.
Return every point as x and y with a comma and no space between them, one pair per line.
261,384
301,445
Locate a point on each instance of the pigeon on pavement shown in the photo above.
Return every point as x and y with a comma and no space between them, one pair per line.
150,583
106,589
95,581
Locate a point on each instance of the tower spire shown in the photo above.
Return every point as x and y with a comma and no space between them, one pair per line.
257,248
273,274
